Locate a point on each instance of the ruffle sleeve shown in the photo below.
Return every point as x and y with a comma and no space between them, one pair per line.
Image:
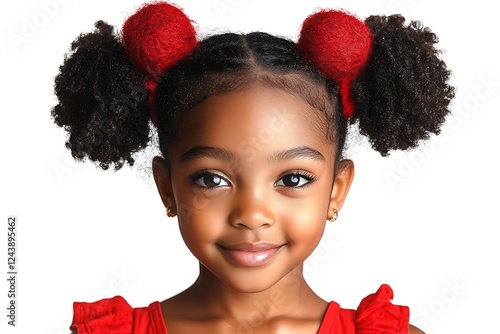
377,315
106,316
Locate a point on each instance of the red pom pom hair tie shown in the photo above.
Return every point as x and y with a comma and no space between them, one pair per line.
339,44
156,37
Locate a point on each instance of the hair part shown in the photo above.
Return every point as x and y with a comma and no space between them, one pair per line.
231,62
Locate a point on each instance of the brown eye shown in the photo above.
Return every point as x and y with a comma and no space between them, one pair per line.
294,180
209,180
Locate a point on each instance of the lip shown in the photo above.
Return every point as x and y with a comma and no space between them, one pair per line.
251,254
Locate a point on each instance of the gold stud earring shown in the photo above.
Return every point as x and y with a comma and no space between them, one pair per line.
334,216
169,212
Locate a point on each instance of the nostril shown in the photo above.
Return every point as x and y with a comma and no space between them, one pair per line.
252,220
252,208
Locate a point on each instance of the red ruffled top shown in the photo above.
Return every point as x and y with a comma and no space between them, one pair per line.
375,315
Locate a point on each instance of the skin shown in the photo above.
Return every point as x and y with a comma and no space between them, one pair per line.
232,177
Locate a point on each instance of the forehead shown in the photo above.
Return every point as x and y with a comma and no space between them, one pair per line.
259,117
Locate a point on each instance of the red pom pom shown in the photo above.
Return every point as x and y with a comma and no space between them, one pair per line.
339,44
157,36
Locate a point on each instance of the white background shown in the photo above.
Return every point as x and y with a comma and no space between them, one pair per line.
84,234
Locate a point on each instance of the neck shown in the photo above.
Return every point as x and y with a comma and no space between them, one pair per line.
285,298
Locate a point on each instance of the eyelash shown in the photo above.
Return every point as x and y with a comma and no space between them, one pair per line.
203,173
301,174
310,178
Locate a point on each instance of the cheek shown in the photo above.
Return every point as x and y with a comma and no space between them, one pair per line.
304,231
198,219
201,226
304,221
304,225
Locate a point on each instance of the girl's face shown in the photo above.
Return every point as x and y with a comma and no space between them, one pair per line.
251,180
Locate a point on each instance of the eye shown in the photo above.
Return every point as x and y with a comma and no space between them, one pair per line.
295,180
208,180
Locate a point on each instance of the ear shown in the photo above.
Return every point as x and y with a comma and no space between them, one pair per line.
341,185
161,173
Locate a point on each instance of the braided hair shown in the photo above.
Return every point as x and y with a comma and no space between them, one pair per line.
113,88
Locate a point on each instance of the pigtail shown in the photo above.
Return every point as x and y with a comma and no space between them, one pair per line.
106,86
402,96
102,100
390,77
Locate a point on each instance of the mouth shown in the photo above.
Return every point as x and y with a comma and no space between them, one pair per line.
251,254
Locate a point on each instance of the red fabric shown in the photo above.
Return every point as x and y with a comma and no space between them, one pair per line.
375,315
112,315
390,319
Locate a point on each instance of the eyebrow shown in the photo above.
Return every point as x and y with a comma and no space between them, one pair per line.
297,152
207,152
222,154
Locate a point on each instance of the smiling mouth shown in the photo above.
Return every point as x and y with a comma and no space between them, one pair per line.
251,255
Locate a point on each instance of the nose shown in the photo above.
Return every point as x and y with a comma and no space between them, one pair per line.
252,209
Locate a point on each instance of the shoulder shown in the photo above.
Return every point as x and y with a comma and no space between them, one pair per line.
415,330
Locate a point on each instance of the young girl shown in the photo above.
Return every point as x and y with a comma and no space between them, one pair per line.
251,128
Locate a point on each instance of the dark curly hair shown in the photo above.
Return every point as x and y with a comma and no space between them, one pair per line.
102,102
403,93
401,97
